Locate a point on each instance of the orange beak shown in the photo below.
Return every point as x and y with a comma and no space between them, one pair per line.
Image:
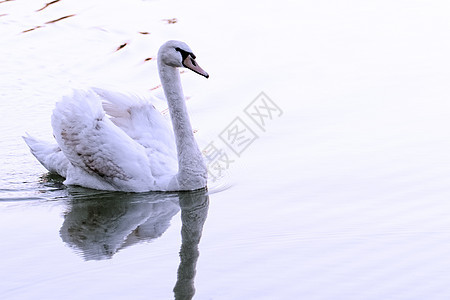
190,63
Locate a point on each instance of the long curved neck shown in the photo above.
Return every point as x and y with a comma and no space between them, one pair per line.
191,168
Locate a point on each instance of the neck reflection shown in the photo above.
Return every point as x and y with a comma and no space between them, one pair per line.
194,209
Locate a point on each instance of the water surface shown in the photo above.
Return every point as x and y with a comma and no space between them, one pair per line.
343,193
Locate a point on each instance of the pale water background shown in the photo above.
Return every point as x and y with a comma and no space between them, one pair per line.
345,195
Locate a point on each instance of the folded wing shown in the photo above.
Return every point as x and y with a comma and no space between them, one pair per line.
101,155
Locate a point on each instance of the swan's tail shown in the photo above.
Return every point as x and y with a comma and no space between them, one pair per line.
48,154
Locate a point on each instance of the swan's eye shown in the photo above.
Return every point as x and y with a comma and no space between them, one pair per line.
184,53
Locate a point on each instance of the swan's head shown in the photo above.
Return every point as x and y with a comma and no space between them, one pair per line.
177,54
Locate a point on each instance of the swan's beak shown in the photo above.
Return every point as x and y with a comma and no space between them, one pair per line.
190,63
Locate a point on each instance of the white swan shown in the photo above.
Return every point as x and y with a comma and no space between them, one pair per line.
126,144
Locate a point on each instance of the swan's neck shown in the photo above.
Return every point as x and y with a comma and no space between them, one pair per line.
191,167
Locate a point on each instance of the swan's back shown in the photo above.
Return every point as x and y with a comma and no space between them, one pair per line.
143,123
121,152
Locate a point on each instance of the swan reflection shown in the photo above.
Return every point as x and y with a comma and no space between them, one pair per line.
99,225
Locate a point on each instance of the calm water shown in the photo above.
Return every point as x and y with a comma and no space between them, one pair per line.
371,225
343,193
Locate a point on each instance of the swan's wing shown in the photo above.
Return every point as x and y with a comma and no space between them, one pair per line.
144,124
102,155
49,155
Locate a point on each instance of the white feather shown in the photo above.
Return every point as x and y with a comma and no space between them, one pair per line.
49,155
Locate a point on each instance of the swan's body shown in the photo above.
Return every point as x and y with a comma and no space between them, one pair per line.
126,144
